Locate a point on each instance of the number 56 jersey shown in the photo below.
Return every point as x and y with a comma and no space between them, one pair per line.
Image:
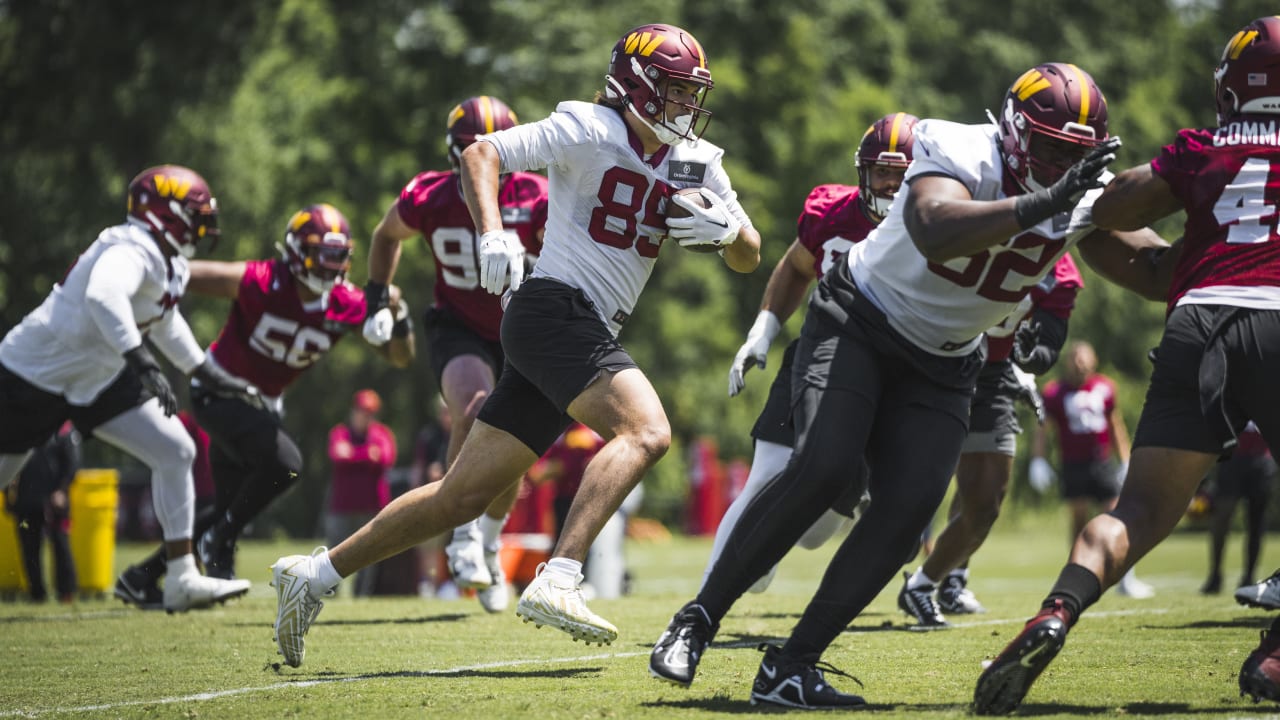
271,336
606,215
945,307
432,204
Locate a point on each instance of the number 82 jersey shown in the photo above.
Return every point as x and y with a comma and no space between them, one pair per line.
432,204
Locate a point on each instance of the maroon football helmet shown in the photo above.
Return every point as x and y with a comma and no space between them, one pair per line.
317,246
1051,117
475,116
1247,79
887,143
643,62
175,203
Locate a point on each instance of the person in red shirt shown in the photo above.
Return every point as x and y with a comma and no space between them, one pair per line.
361,450
1215,367
1081,406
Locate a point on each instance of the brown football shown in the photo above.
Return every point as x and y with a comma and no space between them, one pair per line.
675,211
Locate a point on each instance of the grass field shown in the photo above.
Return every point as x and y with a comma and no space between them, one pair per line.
1175,655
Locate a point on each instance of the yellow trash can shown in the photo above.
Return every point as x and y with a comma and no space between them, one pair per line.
94,498
12,577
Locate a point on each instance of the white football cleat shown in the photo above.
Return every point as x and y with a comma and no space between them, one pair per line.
293,577
497,597
192,591
467,565
549,601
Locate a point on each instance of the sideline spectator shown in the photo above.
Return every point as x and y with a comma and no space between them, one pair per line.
361,450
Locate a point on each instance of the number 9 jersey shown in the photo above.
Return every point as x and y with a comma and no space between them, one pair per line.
271,336
432,204
944,308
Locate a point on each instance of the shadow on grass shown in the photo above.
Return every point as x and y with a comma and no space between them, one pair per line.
1138,708
734,706
423,620
552,673
1256,622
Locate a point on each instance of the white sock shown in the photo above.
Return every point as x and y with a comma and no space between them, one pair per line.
466,532
962,573
919,580
326,576
491,532
179,566
564,568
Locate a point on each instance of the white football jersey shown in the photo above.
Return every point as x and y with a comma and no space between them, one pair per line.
605,199
117,290
944,307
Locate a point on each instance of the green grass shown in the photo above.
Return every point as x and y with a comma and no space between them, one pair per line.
1175,655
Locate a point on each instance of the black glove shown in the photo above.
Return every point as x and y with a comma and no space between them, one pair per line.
1025,340
376,297
1032,208
215,380
140,361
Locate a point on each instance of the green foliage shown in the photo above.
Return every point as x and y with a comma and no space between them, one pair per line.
281,103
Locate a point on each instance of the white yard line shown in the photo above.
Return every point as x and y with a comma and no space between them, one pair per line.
217,694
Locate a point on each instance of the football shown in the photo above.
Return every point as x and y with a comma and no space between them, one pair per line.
675,211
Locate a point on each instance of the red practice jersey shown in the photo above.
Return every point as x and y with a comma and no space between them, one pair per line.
271,337
832,222
1228,180
432,204
1082,415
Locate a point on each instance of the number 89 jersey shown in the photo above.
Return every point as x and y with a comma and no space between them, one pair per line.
271,337
1228,179
607,202
432,204
945,307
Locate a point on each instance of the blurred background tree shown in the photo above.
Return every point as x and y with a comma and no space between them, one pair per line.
280,103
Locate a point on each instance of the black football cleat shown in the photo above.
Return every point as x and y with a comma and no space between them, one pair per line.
1260,674
135,588
675,657
1007,679
920,605
800,683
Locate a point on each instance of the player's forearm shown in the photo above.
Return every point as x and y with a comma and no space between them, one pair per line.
743,254
946,229
786,290
480,169
1141,261
384,257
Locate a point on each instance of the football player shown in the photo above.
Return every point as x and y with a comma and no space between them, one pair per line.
834,218
613,164
1215,366
462,325
1025,344
286,313
80,356
890,354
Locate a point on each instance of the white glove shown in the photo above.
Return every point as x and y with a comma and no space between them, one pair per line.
713,225
754,351
377,327
501,261
1040,475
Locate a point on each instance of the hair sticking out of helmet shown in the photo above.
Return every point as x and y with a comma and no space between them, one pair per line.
1247,78
317,247
475,116
1051,117
888,143
176,205
660,74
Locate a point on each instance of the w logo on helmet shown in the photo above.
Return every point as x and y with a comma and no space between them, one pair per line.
643,43
172,187
1238,43
1029,84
